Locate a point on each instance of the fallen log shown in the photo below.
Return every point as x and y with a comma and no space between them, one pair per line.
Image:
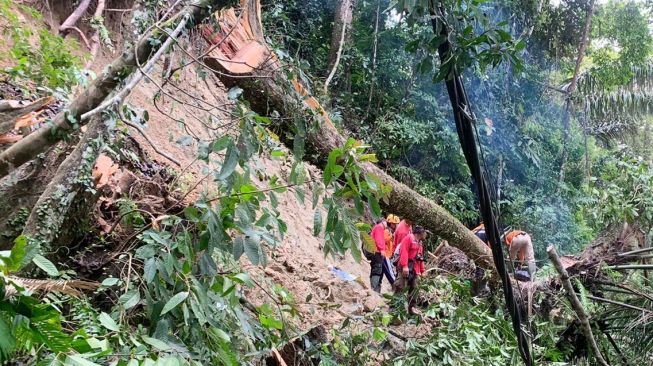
269,88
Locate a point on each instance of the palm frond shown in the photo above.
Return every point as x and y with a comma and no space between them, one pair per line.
69,287
631,323
614,112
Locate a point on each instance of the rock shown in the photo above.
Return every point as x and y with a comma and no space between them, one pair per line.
290,266
323,284
275,267
371,303
310,277
353,308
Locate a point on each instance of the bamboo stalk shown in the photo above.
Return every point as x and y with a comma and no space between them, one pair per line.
576,304
630,266
644,250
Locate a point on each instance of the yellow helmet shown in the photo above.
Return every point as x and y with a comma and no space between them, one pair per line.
392,219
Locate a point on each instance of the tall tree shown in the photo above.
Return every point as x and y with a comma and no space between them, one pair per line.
569,107
341,25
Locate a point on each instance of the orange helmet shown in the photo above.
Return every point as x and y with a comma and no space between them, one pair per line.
392,219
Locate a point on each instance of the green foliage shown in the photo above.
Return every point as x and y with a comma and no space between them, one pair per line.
27,324
476,42
621,28
39,56
460,330
620,191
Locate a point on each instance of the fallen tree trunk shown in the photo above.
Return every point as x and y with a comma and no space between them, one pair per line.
115,73
63,193
269,88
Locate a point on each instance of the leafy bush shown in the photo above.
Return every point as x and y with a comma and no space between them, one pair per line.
38,55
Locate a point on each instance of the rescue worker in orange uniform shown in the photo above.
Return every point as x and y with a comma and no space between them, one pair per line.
411,264
388,268
521,245
380,238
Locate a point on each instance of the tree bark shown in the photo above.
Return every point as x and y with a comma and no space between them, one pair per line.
72,179
576,304
341,24
373,76
569,106
95,39
115,73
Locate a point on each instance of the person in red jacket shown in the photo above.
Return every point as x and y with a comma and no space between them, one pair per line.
411,264
379,235
404,228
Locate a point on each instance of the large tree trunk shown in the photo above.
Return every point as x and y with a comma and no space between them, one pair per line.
569,107
68,191
269,89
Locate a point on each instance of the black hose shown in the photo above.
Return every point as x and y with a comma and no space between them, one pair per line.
465,123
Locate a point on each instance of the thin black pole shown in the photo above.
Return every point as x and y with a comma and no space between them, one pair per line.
465,122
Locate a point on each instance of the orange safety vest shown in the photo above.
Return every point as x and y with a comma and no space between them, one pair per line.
511,235
389,243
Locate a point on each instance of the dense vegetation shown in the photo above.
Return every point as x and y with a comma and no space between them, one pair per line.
406,117
175,293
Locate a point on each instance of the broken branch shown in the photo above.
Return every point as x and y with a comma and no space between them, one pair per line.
576,304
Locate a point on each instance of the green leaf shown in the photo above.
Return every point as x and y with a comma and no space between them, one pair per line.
374,206
317,222
174,301
239,247
47,266
19,254
253,250
230,162
110,281
149,270
7,341
156,343
379,334
221,143
278,153
133,299
78,360
108,322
